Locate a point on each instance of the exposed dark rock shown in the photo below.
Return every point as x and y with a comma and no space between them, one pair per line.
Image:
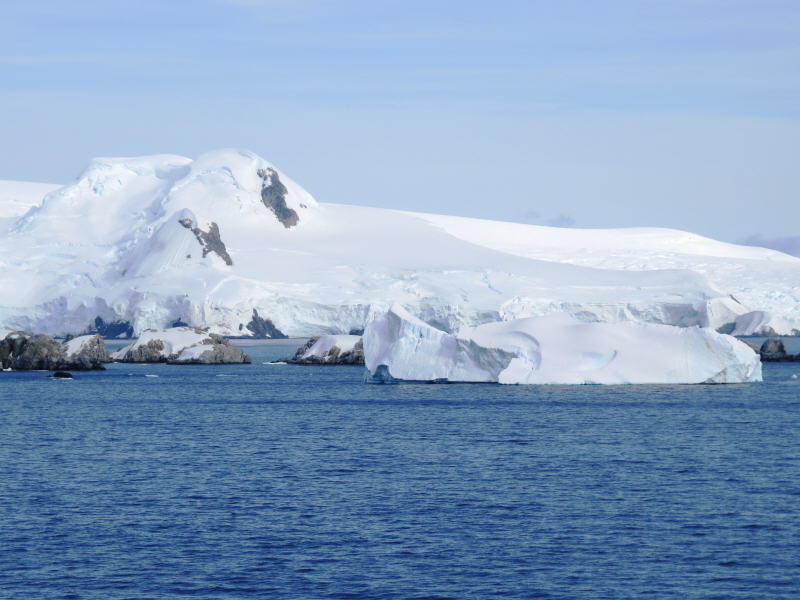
210,240
25,352
151,352
334,356
264,328
178,323
113,329
92,352
273,195
61,375
773,350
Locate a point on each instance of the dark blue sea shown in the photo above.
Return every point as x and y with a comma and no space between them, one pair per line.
277,481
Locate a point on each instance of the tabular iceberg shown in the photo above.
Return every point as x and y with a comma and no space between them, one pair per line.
556,349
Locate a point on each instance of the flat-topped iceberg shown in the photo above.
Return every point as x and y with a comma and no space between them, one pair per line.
181,345
556,349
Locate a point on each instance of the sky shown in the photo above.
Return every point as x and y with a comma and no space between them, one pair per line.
621,113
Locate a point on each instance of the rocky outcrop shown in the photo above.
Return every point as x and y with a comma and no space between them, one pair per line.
22,351
264,328
211,354
773,350
152,351
273,195
209,240
112,329
86,351
61,375
181,345
330,350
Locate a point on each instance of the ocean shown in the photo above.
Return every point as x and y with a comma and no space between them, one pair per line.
279,481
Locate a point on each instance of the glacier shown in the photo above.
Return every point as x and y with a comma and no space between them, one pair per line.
230,243
554,349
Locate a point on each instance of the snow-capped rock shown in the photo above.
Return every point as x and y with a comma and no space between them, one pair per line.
86,351
217,353
229,243
21,351
556,349
180,345
330,350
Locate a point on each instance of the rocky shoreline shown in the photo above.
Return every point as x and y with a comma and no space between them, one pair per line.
23,351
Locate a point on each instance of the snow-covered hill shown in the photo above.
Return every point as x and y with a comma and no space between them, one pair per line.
18,197
230,242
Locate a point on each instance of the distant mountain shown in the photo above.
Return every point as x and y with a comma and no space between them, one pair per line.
229,242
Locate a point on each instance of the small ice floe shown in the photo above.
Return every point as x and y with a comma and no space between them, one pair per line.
276,362
794,376
8,369
226,375
151,375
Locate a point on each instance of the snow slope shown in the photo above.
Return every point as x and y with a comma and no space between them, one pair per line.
227,241
17,197
556,349
759,278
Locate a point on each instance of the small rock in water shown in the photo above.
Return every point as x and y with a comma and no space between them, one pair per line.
61,375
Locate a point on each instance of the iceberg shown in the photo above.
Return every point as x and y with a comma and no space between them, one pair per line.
555,349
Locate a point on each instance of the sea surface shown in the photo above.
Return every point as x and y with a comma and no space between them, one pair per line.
278,481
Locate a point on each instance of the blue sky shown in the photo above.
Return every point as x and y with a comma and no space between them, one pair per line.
620,113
